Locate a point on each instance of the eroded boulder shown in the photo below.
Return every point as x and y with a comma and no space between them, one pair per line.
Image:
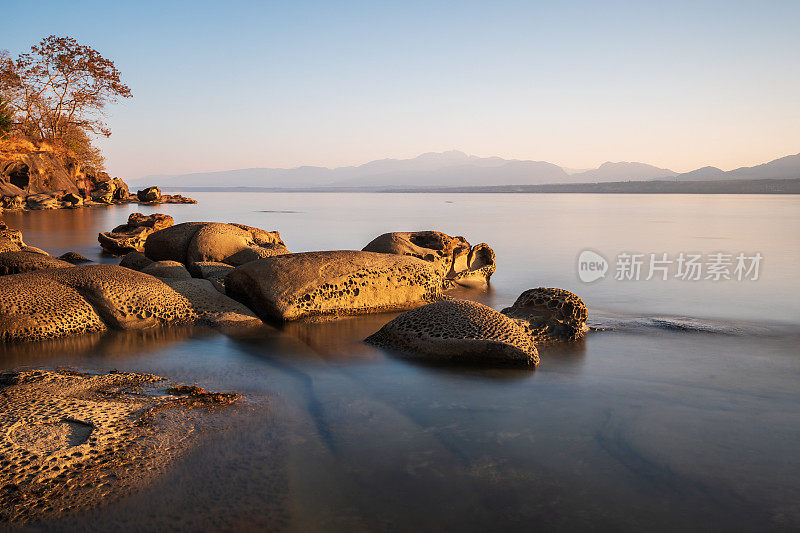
10,239
65,301
552,315
135,261
348,282
458,331
131,237
232,244
13,202
72,200
75,258
41,201
15,262
458,261
167,270
150,194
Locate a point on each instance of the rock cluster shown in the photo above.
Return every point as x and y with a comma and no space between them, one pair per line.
457,261
78,299
232,244
222,274
130,237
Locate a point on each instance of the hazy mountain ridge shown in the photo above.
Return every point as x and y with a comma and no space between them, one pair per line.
457,169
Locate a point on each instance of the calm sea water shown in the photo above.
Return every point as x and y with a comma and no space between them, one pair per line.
685,414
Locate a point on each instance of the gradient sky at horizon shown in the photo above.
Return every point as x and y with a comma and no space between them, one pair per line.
224,85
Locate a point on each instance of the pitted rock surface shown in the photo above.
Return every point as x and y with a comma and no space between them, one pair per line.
130,237
232,244
72,440
64,301
28,261
347,282
458,261
167,270
10,239
75,258
135,261
458,331
551,314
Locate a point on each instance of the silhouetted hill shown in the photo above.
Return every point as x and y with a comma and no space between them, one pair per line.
457,169
622,171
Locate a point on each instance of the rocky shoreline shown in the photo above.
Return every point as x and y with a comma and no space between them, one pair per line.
100,437
37,178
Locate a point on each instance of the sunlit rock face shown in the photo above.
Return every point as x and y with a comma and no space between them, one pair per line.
346,282
552,315
458,331
79,299
232,244
16,262
150,194
131,236
454,257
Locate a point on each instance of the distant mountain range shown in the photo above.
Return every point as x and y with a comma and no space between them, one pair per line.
457,169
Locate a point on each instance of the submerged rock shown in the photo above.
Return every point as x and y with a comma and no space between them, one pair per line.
131,236
64,301
288,287
79,439
551,314
456,259
232,244
28,261
458,331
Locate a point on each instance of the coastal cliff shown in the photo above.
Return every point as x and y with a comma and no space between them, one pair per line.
41,177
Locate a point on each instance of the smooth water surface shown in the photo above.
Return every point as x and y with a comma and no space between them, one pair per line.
684,415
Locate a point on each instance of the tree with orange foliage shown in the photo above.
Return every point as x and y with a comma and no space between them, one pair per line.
59,88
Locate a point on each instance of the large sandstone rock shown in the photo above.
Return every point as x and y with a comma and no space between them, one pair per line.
13,202
233,244
27,261
458,261
288,287
150,194
75,258
41,201
458,331
552,315
10,239
167,270
135,261
65,301
130,237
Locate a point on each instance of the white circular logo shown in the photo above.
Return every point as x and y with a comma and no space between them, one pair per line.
591,266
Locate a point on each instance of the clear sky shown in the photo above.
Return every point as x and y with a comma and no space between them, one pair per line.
235,84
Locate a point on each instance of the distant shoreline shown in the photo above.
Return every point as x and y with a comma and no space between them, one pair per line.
758,186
